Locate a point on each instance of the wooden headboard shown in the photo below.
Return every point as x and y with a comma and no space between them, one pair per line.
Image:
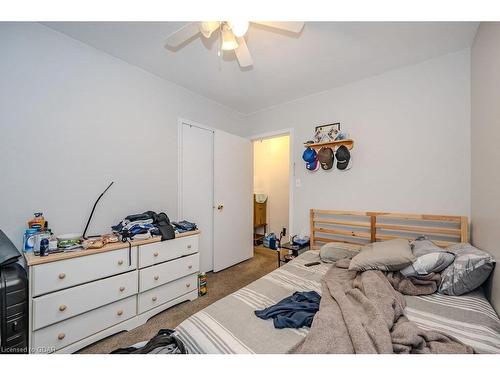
365,227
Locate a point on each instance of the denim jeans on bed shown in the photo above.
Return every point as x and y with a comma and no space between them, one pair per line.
295,311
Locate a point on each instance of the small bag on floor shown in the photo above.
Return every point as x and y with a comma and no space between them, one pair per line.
165,342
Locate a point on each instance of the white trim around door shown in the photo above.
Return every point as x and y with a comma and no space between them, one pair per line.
290,133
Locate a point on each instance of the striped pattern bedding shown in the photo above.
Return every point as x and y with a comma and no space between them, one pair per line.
230,325
469,318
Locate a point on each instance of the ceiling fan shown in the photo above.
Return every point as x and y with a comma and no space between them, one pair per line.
231,33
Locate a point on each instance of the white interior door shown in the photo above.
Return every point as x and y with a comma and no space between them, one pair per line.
197,184
233,212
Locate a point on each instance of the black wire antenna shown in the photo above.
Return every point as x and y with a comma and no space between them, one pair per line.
93,209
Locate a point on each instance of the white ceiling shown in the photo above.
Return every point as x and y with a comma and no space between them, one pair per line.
286,67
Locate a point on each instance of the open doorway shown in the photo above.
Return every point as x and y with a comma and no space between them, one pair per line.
271,187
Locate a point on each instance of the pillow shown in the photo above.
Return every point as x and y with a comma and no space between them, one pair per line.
422,245
392,255
427,263
470,269
333,251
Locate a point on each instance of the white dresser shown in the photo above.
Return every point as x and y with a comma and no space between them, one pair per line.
79,298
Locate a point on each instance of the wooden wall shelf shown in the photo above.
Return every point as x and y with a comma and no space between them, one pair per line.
349,143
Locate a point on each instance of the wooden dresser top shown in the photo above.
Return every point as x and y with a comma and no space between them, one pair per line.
33,260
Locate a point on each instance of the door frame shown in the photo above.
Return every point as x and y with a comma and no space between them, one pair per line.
291,170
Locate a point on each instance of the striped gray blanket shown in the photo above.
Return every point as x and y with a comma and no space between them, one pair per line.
230,325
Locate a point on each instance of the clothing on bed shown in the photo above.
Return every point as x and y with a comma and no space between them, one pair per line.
360,312
295,311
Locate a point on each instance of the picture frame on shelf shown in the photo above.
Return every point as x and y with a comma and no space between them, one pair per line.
326,133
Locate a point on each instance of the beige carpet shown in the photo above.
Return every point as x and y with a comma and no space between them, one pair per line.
220,284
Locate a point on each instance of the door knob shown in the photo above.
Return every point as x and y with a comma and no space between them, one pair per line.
220,207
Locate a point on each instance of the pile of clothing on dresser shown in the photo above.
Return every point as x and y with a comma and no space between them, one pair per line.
184,226
149,224
144,226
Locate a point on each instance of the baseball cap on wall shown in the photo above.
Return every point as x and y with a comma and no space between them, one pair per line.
309,155
311,158
343,158
314,166
326,157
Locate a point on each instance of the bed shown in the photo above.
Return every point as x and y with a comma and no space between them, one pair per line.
230,325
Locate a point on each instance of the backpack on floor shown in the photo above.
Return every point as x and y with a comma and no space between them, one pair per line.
165,342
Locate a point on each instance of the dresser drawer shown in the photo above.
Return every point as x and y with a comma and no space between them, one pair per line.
59,335
167,292
54,307
63,274
160,274
167,250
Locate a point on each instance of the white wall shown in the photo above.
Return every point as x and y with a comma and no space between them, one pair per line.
271,176
485,204
411,128
72,119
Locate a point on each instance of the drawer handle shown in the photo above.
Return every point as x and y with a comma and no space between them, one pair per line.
120,262
155,254
61,336
122,288
62,275
62,307
119,312
156,277
189,246
154,299
190,266
188,285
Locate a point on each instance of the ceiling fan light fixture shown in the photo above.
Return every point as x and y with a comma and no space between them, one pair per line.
207,28
229,42
239,28
230,36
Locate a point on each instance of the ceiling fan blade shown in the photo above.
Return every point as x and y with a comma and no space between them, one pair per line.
242,53
293,27
183,34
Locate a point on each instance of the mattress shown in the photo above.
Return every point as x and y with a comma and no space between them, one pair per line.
230,325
